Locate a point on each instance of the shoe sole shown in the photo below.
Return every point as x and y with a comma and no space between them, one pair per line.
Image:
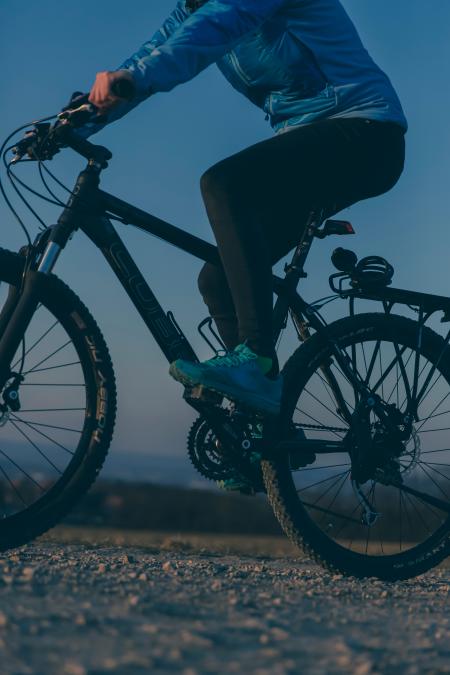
256,403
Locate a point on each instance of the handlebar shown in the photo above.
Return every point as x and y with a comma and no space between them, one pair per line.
45,140
65,136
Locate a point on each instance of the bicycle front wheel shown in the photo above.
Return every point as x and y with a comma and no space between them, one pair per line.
56,429
371,528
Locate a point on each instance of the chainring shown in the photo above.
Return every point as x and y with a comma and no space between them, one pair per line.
216,462
205,452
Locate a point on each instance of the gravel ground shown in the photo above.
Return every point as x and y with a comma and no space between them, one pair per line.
92,603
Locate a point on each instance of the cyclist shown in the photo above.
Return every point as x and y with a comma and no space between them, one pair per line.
339,139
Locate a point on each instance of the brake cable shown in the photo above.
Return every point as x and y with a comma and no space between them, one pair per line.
2,189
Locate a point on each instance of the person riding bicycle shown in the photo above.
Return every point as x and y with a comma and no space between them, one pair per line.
339,139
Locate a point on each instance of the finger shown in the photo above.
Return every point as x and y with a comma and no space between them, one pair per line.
99,90
107,104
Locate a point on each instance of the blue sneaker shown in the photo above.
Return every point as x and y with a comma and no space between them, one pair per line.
236,375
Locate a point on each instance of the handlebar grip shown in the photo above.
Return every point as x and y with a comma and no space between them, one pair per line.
123,89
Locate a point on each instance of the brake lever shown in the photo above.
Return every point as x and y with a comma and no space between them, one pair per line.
37,143
77,117
32,142
84,108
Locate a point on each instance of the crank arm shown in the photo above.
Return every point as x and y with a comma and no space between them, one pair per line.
206,402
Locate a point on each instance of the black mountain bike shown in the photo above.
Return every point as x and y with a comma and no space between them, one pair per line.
356,466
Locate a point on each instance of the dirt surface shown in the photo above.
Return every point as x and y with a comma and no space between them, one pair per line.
92,602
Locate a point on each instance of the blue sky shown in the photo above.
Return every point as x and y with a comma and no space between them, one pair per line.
49,49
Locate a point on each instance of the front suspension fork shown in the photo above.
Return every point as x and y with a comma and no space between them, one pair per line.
20,307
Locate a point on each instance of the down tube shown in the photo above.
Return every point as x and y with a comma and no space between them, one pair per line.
170,339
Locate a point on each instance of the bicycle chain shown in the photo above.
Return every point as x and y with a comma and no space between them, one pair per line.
322,428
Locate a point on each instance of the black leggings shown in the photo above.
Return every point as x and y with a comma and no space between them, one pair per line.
259,199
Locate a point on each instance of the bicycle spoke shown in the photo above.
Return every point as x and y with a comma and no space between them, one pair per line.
430,375
62,365
437,464
330,487
383,377
430,431
349,518
328,388
415,509
50,384
421,465
50,426
431,452
14,487
41,433
50,409
339,490
38,341
364,356
395,387
446,412
372,362
308,487
332,513
50,356
369,496
323,405
376,509
4,454
317,468
408,517
434,410
36,447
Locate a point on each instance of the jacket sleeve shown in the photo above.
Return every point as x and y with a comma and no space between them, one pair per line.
132,64
188,43
201,39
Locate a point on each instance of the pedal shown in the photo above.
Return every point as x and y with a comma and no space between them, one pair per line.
201,393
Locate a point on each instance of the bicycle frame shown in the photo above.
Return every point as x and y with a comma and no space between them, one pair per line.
88,209
91,209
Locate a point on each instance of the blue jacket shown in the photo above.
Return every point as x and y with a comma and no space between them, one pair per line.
298,60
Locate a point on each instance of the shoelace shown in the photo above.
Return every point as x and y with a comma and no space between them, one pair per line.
231,359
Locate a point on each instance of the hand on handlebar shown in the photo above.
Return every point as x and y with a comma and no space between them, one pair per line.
111,88
44,141
79,111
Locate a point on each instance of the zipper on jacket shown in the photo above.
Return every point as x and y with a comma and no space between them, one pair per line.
237,66
269,110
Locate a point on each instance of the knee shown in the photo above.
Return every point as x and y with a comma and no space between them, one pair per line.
211,283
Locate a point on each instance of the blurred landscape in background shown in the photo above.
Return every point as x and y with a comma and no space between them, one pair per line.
167,494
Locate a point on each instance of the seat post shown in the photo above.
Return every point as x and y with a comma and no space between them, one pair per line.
295,269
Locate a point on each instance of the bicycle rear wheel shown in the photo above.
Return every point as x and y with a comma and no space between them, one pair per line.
372,528
56,430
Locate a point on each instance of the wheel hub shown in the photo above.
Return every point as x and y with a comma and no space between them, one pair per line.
11,400
377,447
